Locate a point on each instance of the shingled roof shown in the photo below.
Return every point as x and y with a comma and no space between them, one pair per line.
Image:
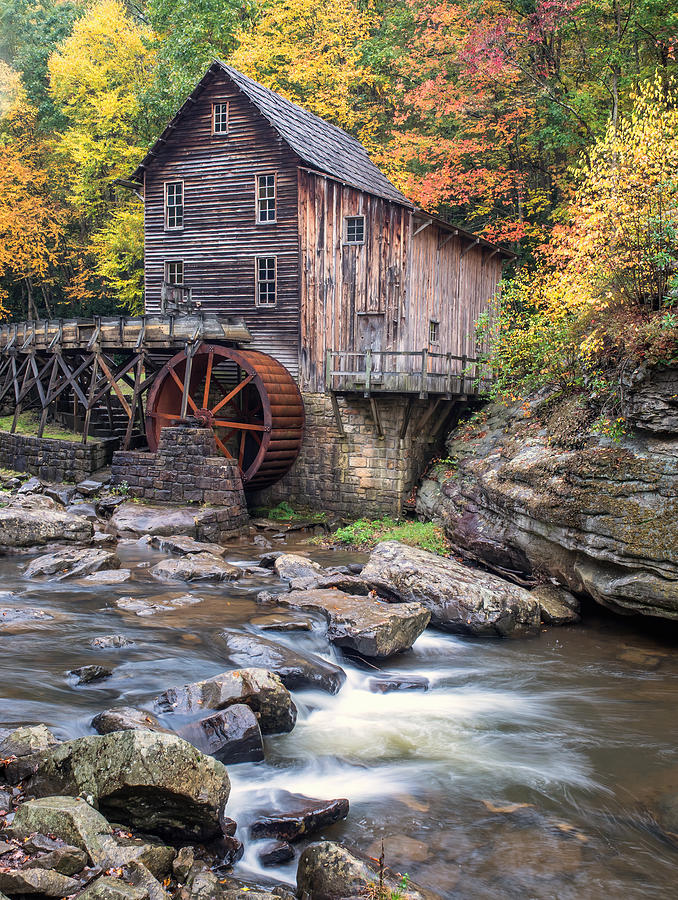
320,145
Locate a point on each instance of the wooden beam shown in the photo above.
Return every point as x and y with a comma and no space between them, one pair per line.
422,227
406,418
487,258
470,247
428,415
337,415
376,417
449,237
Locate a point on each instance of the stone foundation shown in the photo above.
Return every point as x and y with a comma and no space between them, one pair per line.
360,474
187,469
53,460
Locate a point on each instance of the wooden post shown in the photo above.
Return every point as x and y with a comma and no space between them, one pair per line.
135,399
368,372
90,399
464,359
449,374
424,373
45,407
187,380
328,370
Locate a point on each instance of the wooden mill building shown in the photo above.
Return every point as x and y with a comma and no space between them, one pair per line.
257,209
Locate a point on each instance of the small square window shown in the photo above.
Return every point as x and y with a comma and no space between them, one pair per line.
433,332
355,229
174,204
220,118
265,198
174,271
266,281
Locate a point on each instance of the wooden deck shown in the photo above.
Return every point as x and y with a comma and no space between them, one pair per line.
420,372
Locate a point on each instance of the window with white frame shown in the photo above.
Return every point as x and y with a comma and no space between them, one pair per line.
433,332
266,280
355,230
174,204
220,118
174,271
265,198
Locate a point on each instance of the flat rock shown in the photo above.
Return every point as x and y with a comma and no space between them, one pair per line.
156,782
61,493
109,888
460,599
89,674
275,622
108,576
40,523
144,518
558,606
231,735
182,545
36,881
82,508
371,627
126,718
296,670
143,607
32,485
398,683
88,487
16,619
66,860
196,567
259,689
72,563
328,871
299,816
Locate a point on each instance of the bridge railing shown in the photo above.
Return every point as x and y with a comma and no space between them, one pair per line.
420,372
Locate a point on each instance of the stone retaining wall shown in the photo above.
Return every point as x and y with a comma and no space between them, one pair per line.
51,459
186,469
360,474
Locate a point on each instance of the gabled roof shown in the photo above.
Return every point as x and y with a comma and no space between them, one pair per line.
320,145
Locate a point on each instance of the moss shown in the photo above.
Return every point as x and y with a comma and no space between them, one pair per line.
367,533
283,512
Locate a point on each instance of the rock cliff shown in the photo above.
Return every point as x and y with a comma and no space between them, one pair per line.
534,489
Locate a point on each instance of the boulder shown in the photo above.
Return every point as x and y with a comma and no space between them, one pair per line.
108,576
182,545
66,860
32,485
259,689
386,685
142,607
296,670
111,642
298,570
536,490
328,871
276,622
72,563
109,888
195,567
146,518
298,817
126,718
231,735
82,508
88,674
60,493
23,747
156,782
36,521
17,882
367,625
558,606
275,853
460,599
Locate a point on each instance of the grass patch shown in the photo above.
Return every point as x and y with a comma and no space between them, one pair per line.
283,512
367,533
28,423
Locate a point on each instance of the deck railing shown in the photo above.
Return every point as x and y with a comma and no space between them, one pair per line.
405,371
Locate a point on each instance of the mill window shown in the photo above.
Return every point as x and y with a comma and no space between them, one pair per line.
355,229
433,332
265,198
174,204
174,271
220,118
266,281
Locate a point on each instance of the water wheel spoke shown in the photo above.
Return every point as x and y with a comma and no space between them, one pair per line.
180,385
228,397
241,455
256,437
239,426
208,379
160,415
222,447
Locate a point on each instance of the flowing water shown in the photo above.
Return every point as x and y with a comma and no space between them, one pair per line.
527,770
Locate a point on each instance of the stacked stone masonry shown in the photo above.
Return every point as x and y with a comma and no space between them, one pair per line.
360,474
53,460
187,469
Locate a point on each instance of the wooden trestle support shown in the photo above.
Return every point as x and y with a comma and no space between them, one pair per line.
148,372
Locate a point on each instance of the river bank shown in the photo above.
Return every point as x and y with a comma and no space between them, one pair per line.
516,771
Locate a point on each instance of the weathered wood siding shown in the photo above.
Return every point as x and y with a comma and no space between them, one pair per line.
221,238
350,293
383,294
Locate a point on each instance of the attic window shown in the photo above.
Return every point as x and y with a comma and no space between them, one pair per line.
174,204
355,230
220,118
265,198
433,332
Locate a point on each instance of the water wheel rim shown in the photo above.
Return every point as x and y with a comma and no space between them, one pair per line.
245,363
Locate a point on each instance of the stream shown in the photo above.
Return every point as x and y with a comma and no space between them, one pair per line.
524,771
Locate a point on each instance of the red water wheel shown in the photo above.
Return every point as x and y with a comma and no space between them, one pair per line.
247,398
